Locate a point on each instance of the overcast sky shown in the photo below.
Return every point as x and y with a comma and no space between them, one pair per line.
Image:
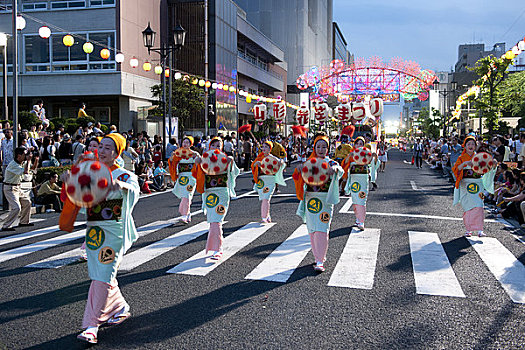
427,32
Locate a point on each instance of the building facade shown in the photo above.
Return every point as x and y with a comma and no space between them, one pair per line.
469,54
339,44
64,77
301,28
239,55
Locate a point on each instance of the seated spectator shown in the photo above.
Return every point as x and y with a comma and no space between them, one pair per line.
514,204
49,193
159,175
144,182
150,177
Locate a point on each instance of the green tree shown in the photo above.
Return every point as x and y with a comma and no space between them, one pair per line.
188,99
512,94
429,126
492,72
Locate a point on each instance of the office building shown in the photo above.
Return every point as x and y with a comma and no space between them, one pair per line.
469,54
63,77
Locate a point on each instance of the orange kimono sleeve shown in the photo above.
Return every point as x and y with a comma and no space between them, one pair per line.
255,169
172,166
199,175
299,184
459,173
345,164
66,222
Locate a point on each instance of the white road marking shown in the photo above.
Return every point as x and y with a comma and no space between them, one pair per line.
199,265
357,264
143,255
72,256
282,262
508,270
346,208
35,247
433,273
32,234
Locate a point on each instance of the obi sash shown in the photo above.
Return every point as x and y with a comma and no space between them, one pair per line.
213,181
106,210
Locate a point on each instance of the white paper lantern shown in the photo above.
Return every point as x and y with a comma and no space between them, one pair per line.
321,112
302,115
279,111
119,57
358,111
344,112
44,32
259,112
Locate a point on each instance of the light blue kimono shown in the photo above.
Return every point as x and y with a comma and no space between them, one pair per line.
108,240
357,187
316,209
266,184
185,184
372,168
216,200
470,191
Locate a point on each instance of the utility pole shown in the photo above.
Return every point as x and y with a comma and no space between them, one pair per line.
15,75
206,93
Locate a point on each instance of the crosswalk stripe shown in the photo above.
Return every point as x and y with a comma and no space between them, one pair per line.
37,246
357,264
433,273
281,263
347,206
29,234
143,255
508,270
199,264
72,256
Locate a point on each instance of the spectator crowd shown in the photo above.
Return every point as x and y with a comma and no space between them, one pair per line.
508,200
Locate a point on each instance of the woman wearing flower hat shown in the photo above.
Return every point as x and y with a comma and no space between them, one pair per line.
180,171
317,203
469,188
110,233
357,185
264,185
216,192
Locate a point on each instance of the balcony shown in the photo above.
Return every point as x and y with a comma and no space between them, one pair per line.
259,71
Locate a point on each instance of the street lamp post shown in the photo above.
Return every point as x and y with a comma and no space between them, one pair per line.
3,45
445,93
179,35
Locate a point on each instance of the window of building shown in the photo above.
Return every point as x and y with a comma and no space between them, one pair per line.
71,4
36,53
50,54
34,6
100,3
101,41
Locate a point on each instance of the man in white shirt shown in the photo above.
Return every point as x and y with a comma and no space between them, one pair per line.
521,155
78,147
19,202
6,149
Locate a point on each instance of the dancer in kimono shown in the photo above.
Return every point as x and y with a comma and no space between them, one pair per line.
357,185
180,171
317,203
216,192
373,167
265,185
469,188
110,233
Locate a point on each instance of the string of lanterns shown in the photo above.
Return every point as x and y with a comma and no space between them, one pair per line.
105,53
476,89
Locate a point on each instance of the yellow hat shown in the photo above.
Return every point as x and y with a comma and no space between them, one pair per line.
120,141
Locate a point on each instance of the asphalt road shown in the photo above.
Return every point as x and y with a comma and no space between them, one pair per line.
42,308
